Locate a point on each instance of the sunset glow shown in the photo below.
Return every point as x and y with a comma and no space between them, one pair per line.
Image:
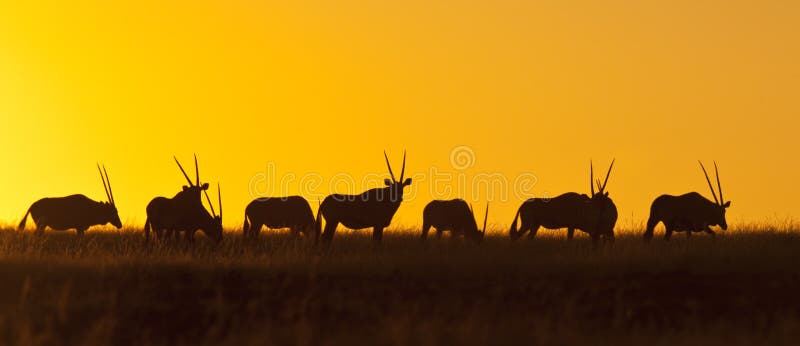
270,91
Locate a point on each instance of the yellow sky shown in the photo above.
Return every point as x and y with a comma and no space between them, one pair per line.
323,87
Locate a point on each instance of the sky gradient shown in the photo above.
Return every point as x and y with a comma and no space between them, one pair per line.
323,87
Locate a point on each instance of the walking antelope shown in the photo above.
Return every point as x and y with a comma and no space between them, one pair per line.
372,208
183,212
689,212
291,212
454,216
74,212
595,215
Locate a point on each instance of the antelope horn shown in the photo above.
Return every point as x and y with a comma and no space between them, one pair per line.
110,191
599,185
607,175
213,213
105,187
709,182
403,171
389,165
719,185
591,177
196,171
485,218
219,197
183,171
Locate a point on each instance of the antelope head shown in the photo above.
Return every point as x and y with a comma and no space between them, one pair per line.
196,185
396,186
601,187
480,234
215,228
109,208
719,216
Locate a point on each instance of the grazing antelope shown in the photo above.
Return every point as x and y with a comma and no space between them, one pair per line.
372,208
74,212
689,212
183,212
454,216
210,224
291,212
595,215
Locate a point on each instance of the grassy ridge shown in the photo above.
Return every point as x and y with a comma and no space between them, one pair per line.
113,288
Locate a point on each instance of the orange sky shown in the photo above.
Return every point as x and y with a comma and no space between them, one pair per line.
323,87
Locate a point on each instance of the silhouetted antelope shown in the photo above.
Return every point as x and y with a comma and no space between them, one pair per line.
595,215
291,212
210,224
74,212
689,212
454,216
183,212
372,208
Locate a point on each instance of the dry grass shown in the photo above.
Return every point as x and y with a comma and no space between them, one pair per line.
113,288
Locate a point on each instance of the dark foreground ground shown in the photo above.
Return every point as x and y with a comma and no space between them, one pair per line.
112,288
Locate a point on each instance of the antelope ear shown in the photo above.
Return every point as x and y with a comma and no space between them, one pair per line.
606,194
727,204
205,186
407,182
388,182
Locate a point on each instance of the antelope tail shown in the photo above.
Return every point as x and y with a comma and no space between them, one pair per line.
147,227
513,232
318,223
651,225
24,220
652,221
